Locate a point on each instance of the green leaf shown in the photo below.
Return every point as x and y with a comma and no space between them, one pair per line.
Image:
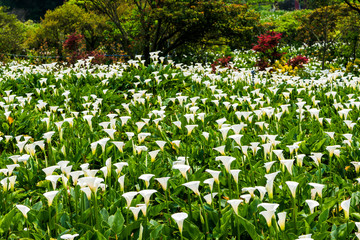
318,145
116,222
324,216
5,221
99,236
356,215
321,236
156,233
250,228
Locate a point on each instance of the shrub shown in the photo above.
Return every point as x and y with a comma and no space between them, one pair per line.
298,61
221,62
268,49
74,47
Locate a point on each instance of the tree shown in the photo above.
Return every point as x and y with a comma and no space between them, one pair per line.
321,25
65,20
11,33
165,25
354,5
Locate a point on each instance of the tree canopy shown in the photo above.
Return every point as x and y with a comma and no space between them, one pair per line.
165,25
11,32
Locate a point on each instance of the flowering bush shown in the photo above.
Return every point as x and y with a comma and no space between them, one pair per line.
353,67
268,49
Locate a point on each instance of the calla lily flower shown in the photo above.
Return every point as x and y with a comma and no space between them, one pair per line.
210,181
214,174
143,208
270,183
50,196
75,176
235,204
153,155
190,128
129,196
317,158
209,197
288,164
146,178
163,182
221,150
23,209
268,166
69,236
11,168
318,189
147,194
161,144
268,215
312,205
49,170
92,182
292,186
246,197
345,205
119,146
235,174
135,211
53,179
194,186
262,191
121,181
110,132
300,159
236,138
179,219
282,220
182,168
226,161
119,166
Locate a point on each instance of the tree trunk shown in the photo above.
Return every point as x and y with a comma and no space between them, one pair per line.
354,48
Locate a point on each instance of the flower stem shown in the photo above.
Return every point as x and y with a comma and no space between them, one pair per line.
229,185
237,228
294,214
96,212
205,217
189,201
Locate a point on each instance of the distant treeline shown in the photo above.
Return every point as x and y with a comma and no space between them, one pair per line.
34,9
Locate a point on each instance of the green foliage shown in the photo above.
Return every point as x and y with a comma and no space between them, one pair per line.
63,21
168,25
11,33
289,23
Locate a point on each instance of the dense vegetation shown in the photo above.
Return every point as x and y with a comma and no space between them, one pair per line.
180,120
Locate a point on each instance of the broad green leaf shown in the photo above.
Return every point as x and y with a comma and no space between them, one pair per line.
116,222
250,228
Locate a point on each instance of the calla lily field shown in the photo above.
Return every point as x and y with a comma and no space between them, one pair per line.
173,151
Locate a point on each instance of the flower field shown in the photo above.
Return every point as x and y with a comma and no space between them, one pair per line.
173,151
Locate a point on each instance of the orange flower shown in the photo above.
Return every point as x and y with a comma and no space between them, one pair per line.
10,119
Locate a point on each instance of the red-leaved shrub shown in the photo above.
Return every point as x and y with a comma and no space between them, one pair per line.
222,62
267,48
75,47
298,61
